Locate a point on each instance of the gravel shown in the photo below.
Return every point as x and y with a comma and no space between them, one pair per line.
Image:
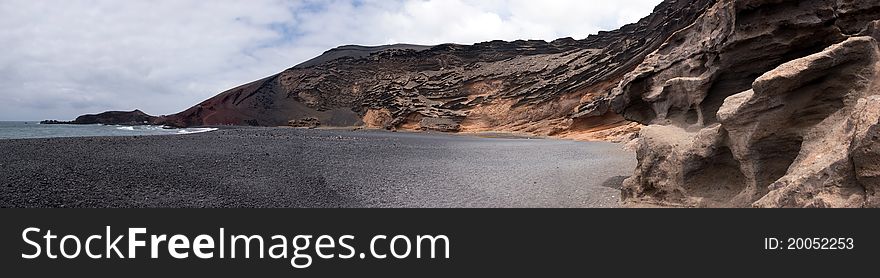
286,167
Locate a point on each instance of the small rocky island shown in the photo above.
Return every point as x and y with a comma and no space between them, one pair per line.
136,117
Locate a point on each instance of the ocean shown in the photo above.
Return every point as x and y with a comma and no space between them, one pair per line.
24,130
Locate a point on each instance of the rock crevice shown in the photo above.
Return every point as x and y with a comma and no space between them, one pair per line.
793,138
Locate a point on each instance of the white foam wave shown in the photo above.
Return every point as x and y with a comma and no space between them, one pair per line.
195,130
154,129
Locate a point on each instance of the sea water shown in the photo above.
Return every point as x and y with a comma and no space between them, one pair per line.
22,130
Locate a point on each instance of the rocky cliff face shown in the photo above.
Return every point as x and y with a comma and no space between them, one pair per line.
522,86
759,103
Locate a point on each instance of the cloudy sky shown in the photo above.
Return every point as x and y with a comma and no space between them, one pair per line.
60,59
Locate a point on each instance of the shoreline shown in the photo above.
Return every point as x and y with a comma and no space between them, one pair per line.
25,130
481,134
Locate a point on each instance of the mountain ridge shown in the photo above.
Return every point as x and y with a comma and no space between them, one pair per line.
541,85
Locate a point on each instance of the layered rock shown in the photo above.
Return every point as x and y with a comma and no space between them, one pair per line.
763,118
795,129
687,79
523,86
306,122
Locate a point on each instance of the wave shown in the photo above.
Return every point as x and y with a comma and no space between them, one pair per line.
196,130
157,129
153,129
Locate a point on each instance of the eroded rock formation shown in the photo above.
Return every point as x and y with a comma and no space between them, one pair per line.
759,103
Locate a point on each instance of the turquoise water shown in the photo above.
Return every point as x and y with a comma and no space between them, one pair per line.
22,130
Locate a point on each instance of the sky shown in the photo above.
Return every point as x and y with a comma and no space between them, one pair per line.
61,59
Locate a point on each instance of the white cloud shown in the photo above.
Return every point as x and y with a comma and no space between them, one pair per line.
65,58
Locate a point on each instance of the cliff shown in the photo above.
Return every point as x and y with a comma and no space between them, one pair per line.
759,103
535,87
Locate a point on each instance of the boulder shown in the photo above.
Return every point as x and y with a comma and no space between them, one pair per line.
308,122
439,124
679,167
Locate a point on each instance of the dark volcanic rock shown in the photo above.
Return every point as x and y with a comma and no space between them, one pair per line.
136,117
307,122
439,124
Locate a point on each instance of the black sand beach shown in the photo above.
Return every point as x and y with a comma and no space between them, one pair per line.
285,167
